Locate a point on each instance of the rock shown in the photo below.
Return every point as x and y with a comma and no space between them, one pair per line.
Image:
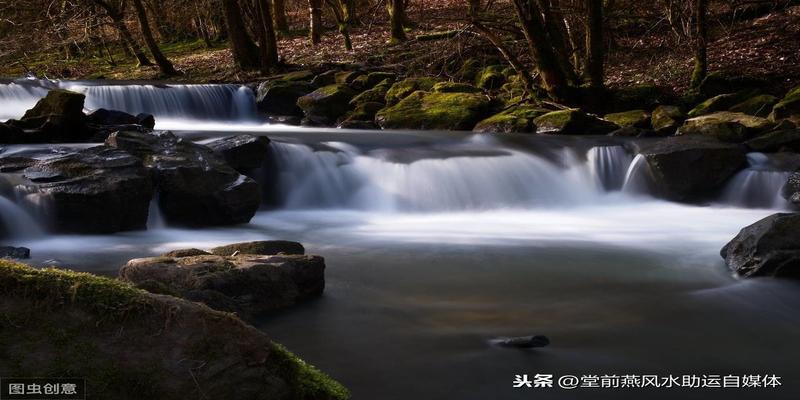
572,122
726,126
687,168
262,247
324,79
759,106
357,124
453,87
247,284
717,83
244,152
58,102
364,112
368,81
11,134
469,70
641,96
375,95
186,253
633,118
102,116
631,131
326,104
56,118
513,120
426,110
791,190
15,252
296,76
347,77
195,186
780,140
490,77
402,89
666,119
788,107
280,97
720,103
95,190
523,342
134,344
769,247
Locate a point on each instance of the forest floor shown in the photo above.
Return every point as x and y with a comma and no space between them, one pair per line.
767,46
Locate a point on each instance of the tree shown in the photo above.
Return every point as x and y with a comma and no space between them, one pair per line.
700,43
245,52
343,13
163,63
279,14
268,44
595,46
397,16
315,20
117,16
556,30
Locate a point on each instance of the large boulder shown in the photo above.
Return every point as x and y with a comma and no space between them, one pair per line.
131,344
95,190
279,97
778,140
426,110
250,285
261,247
513,120
769,247
573,122
400,90
326,104
243,152
195,186
717,83
721,102
691,167
666,119
633,118
726,126
375,95
56,118
788,107
759,105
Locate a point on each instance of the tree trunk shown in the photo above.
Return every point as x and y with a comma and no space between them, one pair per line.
118,22
279,14
163,63
268,44
397,16
342,12
700,43
474,7
245,52
315,21
594,42
553,21
553,79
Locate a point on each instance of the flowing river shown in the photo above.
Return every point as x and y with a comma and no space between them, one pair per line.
436,242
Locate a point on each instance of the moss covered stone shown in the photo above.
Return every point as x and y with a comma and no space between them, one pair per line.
327,103
469,70
426,110
372,79
788,107
778,140
454,87
375,95
513,120
401,89
666,119
296,76
491,77
759,106
720,103
632,118
279,97
58,102
573,122
726,126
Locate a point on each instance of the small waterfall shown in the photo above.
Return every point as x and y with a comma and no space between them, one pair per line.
609,165
16,98
15,222
155,219
757,186
637,177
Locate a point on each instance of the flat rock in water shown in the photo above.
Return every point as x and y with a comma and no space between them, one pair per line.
522,342
15,252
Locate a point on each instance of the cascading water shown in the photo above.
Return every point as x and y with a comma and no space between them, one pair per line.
16,98
609,164
757,186
15,222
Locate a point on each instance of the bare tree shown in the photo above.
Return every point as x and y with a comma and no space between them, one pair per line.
268,44
163,63
700,43
315,21
245,52
116,12
397,17
595,46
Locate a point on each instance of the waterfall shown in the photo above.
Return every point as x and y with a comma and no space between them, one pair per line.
155,219
15,222
637,177
16,98
341,176
757,186
609,164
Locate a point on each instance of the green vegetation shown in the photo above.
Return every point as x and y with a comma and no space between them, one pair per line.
307,382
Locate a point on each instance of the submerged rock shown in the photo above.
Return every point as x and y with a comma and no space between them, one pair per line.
427,110
691,167
769,247
96,190
573,122
726,126
195,186
128,343
243,152
15,252
250,285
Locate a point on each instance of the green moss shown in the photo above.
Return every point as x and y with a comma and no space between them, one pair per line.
375,95
720,103
491,77
726,126
469,70
632,118
425,110
759,106
516,119
665,119
453,87
401,89
364,111
788,106
572,122
307,382
296,76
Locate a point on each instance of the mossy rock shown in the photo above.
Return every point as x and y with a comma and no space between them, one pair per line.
573,122
327,103
131,344
443,111
454,87
642,96
364,112
759,106
788,107
296,76
469,70
372,79
632,118
347,77
491,77
717,83
721,102
375,95
513,120
280,97
726,126
774,141
58,102
665,120
401,89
